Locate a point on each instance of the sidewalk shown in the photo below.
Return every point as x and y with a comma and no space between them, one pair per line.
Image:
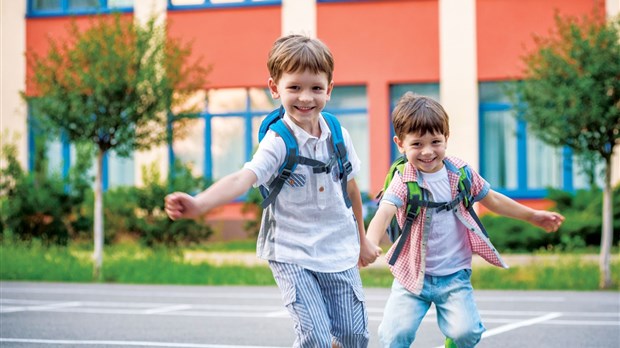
250,259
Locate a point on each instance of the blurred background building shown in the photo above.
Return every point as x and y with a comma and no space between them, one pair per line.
460,52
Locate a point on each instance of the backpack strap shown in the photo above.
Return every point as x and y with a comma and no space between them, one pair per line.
340,152
291,159
413,208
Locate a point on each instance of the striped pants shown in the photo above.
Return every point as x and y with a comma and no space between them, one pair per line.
326,307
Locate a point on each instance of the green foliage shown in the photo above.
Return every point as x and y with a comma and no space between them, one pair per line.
113,83
581,228
39,206
139,211
572,85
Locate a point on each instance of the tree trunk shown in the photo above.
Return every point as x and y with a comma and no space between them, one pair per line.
98,220
607,231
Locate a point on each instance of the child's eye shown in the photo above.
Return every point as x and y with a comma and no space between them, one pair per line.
317,88
293,88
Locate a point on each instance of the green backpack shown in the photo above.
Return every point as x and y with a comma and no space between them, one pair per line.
418,198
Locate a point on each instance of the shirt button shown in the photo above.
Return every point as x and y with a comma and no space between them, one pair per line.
321,189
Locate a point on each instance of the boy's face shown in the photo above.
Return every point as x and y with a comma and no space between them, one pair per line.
426,152
303,94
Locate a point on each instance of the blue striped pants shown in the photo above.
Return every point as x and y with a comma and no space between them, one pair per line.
325,307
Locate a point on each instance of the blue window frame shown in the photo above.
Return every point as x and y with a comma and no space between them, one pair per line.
199,4
49,8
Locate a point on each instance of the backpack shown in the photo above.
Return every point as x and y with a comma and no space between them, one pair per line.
274,122
417,198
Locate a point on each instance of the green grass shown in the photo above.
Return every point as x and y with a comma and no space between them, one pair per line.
139,265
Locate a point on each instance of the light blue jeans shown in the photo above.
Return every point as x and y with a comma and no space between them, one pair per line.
457,314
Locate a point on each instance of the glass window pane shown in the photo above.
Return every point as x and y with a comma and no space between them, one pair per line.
83,4
188,146
120,3
120,170
227,100
53,152
357,126
500,153
348,97
187,2
430,90
228,145
494,92
46,5
544,165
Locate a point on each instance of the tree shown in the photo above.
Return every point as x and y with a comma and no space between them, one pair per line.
113,85
571,95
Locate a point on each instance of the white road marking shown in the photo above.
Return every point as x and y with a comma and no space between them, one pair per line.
125,343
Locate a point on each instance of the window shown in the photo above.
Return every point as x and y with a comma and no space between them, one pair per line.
42,8
349,104
513,160
430,90
189,4
219,140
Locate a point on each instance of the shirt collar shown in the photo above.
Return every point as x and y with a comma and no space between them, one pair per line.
301,135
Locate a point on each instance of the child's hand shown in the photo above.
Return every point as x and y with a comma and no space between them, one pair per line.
368,252
547,220
180,205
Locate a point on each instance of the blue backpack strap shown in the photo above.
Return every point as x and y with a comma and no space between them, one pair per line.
291,159
340,151
271,118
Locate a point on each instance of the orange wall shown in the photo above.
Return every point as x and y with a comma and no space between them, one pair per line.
378,43
40,30
505,31
234,41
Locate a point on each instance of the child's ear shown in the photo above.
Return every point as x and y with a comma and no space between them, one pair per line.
273,88
399,144
330,88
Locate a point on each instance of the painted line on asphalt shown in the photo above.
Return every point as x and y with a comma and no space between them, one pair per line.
124,343
520,324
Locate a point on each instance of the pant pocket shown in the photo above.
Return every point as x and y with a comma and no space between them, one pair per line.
297,310
360,313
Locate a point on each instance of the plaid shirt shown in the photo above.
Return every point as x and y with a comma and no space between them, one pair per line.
410,266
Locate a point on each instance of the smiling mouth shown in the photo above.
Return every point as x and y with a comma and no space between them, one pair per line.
304,108
430,160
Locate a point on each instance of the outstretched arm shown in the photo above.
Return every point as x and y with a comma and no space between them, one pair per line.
180,205
502,205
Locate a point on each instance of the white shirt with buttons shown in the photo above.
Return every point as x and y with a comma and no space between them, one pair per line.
309,223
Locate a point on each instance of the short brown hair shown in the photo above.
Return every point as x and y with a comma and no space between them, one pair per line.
295,53
416,114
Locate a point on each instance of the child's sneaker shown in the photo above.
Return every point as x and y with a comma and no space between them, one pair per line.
450,343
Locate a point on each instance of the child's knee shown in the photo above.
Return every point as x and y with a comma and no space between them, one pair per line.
467,337
396,335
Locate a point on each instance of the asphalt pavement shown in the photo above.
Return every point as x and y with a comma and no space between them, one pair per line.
112,315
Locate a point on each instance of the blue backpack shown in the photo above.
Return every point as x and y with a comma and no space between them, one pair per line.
417,198
274,122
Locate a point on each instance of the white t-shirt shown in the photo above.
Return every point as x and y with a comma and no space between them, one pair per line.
309,223
448,249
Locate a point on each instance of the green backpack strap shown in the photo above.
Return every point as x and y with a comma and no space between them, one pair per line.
468,198
413,208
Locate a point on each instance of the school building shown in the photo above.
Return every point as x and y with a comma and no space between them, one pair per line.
460,52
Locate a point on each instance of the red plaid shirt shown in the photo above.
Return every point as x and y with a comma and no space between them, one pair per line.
411,263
